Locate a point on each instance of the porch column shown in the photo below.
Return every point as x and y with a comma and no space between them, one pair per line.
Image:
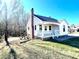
42,31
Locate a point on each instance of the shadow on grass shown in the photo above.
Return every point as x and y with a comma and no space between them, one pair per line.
74,41
12,54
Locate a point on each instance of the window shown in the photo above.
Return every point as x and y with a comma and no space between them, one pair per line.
35,27
28,28
63,28
40,27
68,26
49,27
45,27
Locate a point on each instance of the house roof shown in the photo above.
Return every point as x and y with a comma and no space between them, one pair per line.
48,19
63,21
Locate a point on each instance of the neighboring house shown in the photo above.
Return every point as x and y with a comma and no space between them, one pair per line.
45,27
74,28
77,28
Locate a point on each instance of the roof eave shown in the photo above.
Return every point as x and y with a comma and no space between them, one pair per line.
53,23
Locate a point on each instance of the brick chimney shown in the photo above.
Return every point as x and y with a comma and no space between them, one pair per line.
32,22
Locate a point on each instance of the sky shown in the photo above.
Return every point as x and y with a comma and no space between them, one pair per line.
58,9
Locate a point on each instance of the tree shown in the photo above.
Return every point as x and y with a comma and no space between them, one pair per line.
13,16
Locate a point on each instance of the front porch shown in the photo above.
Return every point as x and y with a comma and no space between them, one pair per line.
47,30
46,34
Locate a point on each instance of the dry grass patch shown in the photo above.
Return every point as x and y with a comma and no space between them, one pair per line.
37,49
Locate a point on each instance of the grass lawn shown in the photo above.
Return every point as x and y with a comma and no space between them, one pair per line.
38,49
65,48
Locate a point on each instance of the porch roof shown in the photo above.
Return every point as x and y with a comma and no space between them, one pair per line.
48,23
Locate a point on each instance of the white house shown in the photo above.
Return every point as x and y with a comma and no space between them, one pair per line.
45,27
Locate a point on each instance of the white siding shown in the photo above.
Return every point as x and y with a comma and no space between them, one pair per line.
44,34
37,21
62,23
